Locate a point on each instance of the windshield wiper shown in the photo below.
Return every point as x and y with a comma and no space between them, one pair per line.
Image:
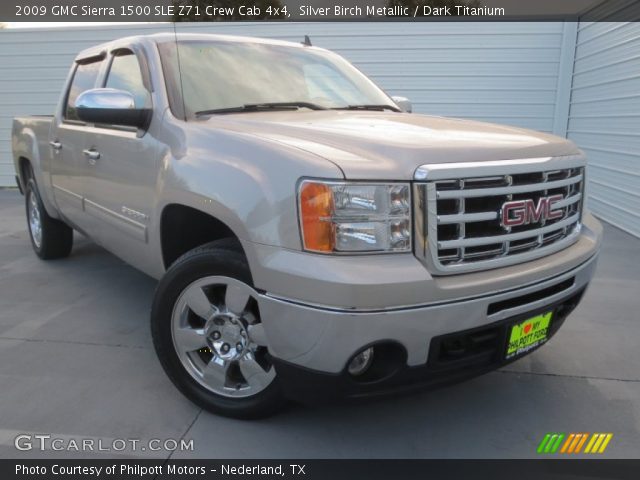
255,107
369,107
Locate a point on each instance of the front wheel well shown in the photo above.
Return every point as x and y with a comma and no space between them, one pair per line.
184,228
25,170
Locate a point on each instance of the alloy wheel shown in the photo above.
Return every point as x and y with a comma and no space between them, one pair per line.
219,338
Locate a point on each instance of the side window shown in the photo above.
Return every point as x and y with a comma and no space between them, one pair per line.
125,74
83,79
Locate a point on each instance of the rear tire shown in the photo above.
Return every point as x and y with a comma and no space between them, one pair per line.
50,238
207,333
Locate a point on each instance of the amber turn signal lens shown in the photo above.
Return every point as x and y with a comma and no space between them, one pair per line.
316,209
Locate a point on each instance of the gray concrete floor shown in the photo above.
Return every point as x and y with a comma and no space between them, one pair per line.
76,361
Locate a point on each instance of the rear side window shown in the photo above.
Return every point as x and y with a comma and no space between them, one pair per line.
83,79
125,74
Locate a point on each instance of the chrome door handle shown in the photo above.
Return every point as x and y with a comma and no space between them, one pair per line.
92,155
56,145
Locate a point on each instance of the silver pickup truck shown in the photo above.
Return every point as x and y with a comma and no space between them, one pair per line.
313,240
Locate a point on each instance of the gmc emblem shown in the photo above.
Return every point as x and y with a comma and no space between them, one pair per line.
524,212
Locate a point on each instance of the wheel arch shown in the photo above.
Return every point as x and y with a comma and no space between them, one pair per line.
183,228
25,171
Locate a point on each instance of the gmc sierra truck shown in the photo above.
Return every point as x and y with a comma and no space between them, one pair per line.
312,239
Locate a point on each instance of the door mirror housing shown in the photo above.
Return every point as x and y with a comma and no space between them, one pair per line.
403,104
111,106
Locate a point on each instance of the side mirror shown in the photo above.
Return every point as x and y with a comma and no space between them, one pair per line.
112,107
403,104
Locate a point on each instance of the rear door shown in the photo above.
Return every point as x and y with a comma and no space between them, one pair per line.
69,168
120,193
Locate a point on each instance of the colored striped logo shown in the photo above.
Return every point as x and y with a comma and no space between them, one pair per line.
574,443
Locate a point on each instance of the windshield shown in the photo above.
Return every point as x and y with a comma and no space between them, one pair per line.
218,75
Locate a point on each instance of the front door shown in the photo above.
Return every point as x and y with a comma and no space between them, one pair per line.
122,161
69,168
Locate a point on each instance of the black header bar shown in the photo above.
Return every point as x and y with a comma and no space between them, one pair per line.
316,10
319,469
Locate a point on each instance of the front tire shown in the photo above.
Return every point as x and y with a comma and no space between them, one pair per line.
209,337
50,238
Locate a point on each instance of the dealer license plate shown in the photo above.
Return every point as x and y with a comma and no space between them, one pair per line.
527,335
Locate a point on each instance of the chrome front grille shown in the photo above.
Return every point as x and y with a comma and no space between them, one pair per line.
461,210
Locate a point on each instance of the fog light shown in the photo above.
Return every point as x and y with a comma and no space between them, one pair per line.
361,362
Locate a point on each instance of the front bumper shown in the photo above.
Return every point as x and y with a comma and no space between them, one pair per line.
324,339
452,358
315,341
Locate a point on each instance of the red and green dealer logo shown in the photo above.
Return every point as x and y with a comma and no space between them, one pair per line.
573,443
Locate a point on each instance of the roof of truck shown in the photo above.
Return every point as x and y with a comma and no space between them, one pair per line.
101,49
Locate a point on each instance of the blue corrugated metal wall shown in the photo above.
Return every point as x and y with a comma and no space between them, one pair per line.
500,72
521,74
604,117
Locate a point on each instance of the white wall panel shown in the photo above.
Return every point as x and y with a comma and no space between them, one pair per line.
34,64
499,72
604,118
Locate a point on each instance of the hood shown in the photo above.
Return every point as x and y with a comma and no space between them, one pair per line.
391,146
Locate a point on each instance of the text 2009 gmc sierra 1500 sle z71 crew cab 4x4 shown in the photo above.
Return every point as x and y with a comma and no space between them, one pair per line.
312,239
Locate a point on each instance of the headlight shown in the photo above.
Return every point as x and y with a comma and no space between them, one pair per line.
355,217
